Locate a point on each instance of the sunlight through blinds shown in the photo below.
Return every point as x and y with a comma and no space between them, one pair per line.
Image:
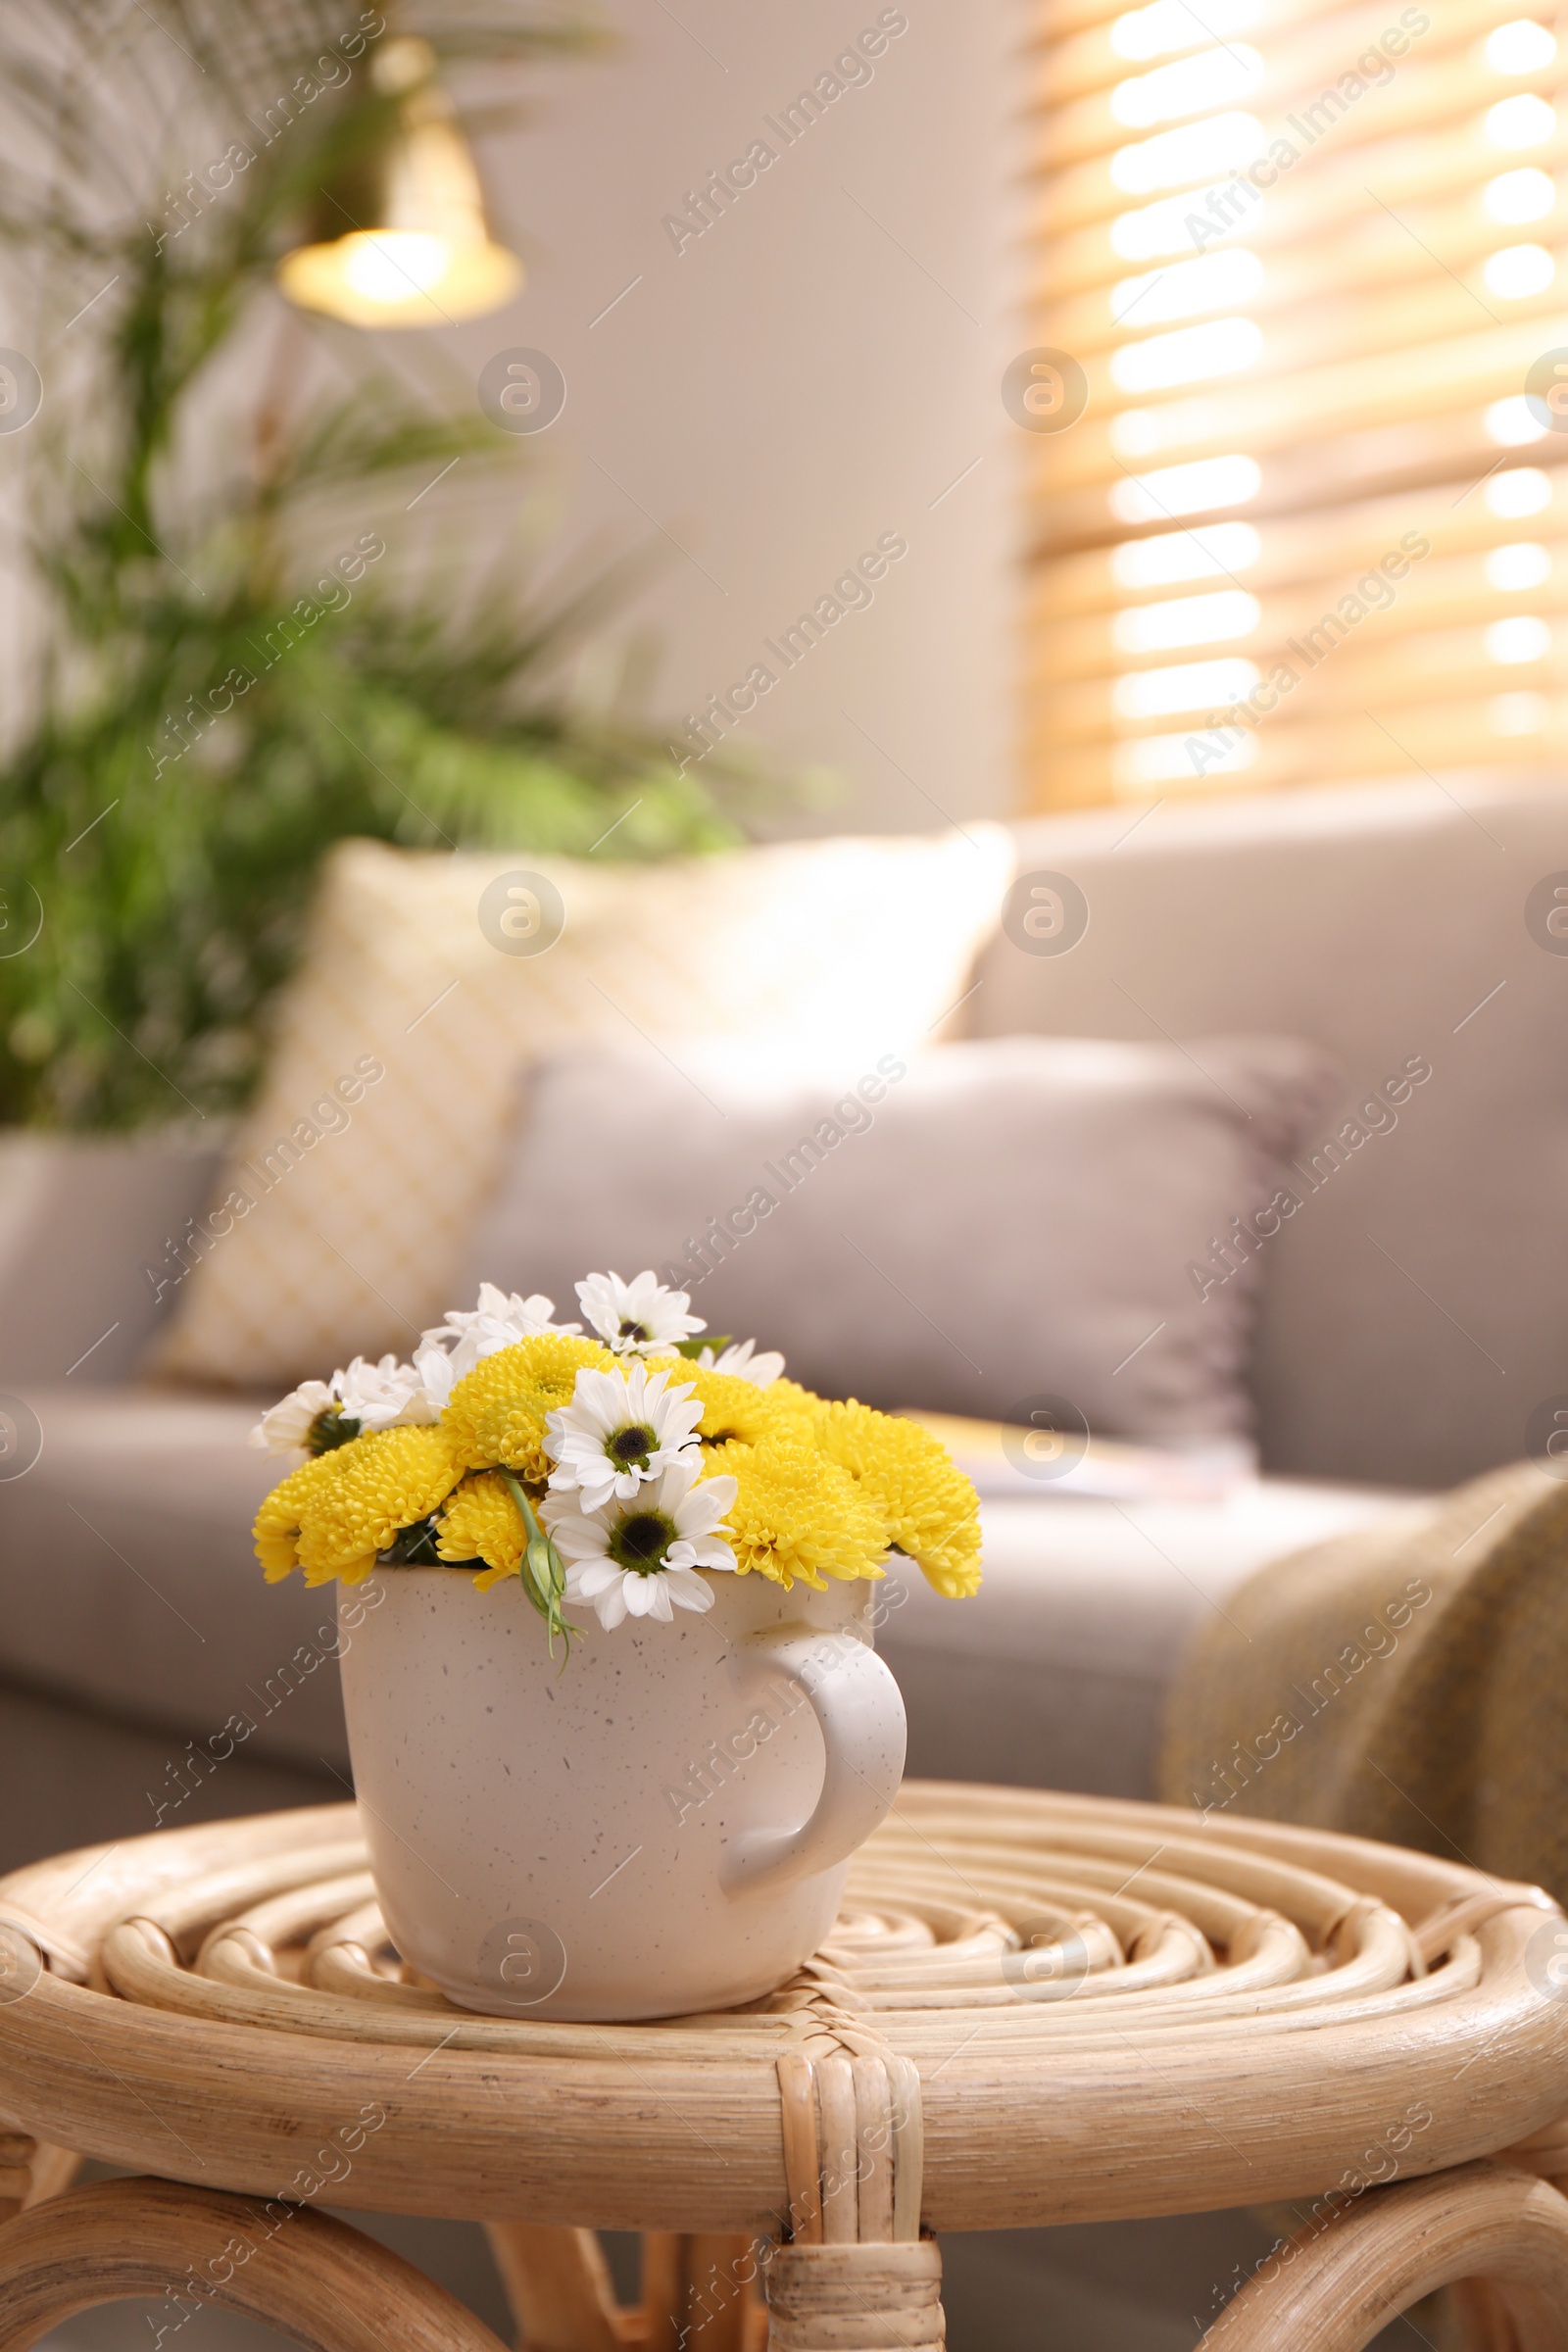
1300,401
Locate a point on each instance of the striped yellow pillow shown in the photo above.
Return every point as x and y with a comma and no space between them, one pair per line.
430,980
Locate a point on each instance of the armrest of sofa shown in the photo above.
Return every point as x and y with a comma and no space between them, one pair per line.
88,1229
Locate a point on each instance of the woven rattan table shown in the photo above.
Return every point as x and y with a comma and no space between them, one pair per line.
1033,2009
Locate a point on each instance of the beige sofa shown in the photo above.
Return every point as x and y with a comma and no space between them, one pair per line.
1416,1313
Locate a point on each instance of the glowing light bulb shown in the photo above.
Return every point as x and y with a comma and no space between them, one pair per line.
388,265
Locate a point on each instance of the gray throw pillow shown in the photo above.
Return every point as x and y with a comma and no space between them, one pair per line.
986,1226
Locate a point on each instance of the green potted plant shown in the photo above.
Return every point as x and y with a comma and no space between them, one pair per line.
255,627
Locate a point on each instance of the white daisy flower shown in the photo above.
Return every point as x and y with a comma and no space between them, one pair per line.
384,1395
321,1413
498,1321
637,1318
738,1360
640,1559
438,1376
286,1426
620,1430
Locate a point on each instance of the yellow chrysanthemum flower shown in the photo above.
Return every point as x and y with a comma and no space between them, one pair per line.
929,1509
732,1408
798,1514
482,1522
496,1414
737,1408
278,1521
387,1480
794,1405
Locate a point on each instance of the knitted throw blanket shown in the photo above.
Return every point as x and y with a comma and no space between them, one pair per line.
1406,1682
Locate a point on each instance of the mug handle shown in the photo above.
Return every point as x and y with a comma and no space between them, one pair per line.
859,1709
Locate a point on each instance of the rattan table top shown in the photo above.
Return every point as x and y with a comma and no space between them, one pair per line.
1099,2009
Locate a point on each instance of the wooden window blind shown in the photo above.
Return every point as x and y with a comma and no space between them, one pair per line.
1309,264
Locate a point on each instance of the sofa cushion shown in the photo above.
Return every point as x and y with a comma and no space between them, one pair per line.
430,980
81,1218
979,1229
1057,1675
1413,1317
128,1584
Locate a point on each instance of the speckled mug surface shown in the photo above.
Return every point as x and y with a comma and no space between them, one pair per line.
659,1826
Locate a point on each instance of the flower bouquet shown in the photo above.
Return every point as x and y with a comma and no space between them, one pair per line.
608,1469
725,1526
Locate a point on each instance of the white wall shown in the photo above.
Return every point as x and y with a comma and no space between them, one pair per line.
814,371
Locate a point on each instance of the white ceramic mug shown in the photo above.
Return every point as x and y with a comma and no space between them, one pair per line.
659,1826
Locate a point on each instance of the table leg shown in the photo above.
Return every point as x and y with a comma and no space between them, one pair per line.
31,2170
1333,2291
310,2276
700,2292
856,2298
857,2276
1482,2317
558,2285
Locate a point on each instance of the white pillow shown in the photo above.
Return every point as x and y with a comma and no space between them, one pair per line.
967,1230
339,1224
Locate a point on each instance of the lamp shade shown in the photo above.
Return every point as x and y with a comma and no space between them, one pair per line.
419,252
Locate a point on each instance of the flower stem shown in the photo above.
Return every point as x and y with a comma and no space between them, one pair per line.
541,1572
